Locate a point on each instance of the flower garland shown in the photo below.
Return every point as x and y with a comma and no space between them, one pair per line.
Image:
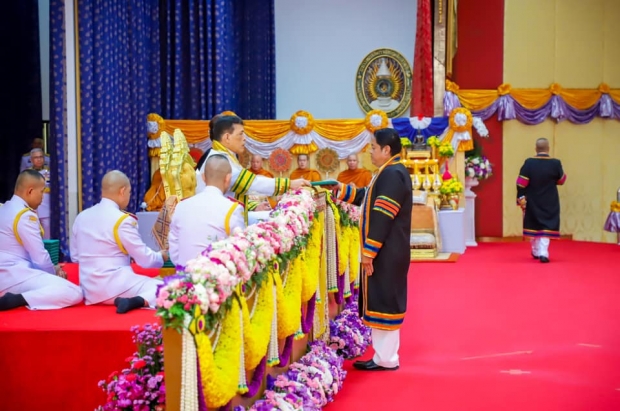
313,258
142,384
257,323
289,299
220,363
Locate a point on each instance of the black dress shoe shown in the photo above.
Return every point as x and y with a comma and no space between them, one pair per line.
535,256
371,366
544,259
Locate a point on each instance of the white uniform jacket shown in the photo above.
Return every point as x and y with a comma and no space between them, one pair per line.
22,254
243,181
102,242
200,220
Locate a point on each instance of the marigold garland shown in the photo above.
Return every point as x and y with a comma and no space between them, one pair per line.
257,325
354,253
344,248
289,300
219,368
313,259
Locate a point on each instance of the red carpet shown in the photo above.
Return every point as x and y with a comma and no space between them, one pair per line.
556,326
53,360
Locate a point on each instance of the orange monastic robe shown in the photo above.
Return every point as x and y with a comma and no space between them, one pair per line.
262,172
360,177
309,174
156,196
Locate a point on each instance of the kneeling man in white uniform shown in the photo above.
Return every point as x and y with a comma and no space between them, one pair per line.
104,240
27,275
208,216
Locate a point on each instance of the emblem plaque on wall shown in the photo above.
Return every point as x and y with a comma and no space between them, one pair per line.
383,82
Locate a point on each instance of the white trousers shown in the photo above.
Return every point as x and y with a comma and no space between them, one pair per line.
45,223
386,344
540,246
47,292
146,289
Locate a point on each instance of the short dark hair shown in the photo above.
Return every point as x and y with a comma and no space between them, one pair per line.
25,175
223,125
212,124
389,137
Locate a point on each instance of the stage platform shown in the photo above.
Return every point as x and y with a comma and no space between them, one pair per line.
53,360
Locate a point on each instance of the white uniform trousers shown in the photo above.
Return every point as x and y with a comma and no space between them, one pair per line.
47,292
386,344
146,289
540,246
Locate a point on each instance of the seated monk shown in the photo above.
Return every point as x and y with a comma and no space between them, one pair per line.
156,195
356,176
256,166
27,274
303,171
104,240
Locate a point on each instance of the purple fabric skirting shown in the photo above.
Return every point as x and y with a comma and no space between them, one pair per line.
613,222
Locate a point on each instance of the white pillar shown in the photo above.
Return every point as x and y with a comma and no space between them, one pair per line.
73,166
470,212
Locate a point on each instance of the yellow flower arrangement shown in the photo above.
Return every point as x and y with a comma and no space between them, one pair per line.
313,258
451,186
446,149
257,325
289,299
433,141
219,367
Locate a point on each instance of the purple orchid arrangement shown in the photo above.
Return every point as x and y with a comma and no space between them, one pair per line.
348,335
478,167
308,385
141,386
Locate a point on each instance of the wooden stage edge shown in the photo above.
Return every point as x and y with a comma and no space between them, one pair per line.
513,239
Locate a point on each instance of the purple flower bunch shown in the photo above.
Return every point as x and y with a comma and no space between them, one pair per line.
478,167
308,385
348,334
141,386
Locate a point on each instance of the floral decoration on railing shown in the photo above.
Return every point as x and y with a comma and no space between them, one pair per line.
533,106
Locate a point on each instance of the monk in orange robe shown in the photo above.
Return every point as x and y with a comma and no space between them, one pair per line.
356,176
303,171
256,166
156,196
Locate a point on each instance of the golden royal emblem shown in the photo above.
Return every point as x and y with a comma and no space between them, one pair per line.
383,82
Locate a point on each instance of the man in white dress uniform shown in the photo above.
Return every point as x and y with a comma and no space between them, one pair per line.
229,140
27,275
104,240
206,217
37,158
26,158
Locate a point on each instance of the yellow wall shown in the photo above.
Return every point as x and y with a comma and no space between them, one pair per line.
574,43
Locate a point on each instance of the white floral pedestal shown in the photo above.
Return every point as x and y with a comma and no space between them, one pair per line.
470,212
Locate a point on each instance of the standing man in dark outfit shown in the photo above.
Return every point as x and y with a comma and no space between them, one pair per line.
537,194
385,231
